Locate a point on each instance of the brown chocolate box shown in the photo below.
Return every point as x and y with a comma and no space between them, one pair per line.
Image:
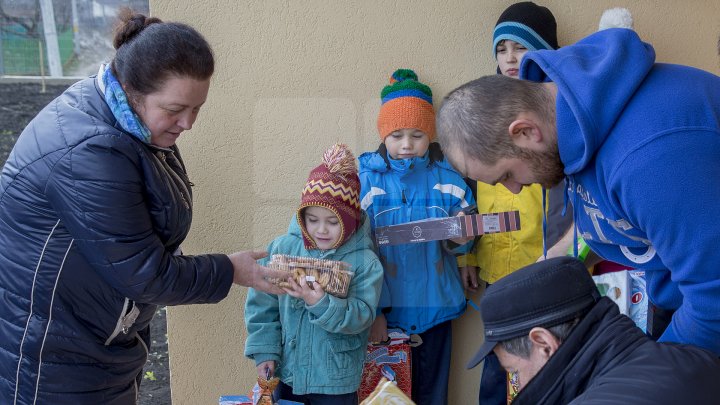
447,228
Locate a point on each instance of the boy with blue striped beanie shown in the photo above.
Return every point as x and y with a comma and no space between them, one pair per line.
522,27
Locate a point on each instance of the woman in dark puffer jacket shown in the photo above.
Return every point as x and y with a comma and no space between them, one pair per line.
94,204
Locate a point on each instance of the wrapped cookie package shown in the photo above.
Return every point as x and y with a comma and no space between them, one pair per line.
333,276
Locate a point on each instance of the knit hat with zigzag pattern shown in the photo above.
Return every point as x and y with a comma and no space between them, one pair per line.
334,185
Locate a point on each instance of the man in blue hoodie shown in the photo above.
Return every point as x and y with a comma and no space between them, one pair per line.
639,144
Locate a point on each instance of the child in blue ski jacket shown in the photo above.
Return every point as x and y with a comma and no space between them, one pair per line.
407,179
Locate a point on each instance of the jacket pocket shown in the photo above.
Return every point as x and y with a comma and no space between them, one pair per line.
345,357
125,321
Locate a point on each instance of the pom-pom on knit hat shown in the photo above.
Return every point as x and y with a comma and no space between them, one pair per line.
616,18
528,24
406,103
334,185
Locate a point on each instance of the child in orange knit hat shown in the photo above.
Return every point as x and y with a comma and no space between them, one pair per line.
408,179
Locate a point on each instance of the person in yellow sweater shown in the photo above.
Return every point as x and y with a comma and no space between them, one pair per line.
522,27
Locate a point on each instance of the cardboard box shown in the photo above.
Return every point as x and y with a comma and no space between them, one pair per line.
447,228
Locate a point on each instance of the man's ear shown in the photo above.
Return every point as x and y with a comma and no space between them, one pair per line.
526,132
544,341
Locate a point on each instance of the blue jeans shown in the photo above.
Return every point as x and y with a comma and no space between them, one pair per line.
493,382
431,366
284,391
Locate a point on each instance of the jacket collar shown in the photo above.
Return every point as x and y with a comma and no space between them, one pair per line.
403,166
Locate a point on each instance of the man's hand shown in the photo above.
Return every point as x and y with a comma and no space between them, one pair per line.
266,369
250,274
310,292
469,277
378,330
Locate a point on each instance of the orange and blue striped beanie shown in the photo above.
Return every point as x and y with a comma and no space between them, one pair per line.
406,103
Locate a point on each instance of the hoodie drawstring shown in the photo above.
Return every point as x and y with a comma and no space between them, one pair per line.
570,184
544,222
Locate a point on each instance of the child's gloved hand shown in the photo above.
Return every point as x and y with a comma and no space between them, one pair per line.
266,369
310,292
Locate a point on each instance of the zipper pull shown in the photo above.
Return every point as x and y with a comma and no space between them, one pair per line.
129,319
404,200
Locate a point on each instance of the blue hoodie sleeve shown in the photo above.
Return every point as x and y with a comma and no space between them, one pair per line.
675,201
97,192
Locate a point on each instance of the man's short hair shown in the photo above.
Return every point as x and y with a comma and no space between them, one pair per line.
475,117
522,346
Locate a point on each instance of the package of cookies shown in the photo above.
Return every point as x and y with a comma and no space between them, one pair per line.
333,276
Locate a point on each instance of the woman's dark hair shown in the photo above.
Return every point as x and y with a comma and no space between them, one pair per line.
149,51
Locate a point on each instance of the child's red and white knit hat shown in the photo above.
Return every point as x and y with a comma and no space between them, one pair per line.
334,185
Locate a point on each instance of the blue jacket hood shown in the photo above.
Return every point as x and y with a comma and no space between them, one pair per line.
592,90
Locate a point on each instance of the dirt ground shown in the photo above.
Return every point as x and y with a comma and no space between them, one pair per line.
19,102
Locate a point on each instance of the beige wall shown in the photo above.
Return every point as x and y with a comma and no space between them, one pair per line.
295,76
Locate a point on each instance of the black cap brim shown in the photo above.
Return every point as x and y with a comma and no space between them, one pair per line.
484,350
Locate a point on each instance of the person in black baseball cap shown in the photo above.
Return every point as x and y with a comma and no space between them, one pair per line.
547,323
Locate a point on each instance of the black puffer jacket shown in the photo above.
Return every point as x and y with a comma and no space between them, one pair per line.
607,360
90,219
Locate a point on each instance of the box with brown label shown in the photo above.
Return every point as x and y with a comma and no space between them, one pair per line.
447,228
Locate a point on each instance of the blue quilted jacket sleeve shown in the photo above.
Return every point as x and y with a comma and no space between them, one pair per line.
97,190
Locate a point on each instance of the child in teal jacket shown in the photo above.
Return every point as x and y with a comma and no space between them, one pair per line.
313,341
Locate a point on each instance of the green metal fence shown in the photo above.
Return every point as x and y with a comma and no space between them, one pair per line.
22,54
79,35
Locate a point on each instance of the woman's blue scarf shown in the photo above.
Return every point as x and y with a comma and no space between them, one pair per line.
116,99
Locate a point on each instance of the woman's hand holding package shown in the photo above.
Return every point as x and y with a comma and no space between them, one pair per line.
311,292
250,274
